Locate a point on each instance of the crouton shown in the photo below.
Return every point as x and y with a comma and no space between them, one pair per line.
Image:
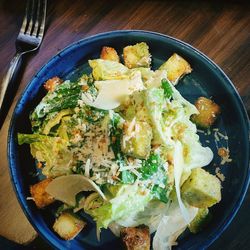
209,111
68,226
51,84
136,139
39,195
176,67
201,189
137,56
109,53
136,238
200,220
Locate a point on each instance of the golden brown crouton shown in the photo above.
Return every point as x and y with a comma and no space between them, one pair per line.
136,238
136,139
176,67
51,84
137,55
201,189
209,111
109,53
200,221
40,196
68,226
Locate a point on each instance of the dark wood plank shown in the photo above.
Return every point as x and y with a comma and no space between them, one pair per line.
220,29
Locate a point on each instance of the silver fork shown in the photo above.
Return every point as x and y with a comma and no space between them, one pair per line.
28,40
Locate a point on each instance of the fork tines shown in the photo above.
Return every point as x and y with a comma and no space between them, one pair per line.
34,20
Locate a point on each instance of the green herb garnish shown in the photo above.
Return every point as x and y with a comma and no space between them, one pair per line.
165,84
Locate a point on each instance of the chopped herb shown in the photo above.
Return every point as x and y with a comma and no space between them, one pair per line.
165,84
61,209
115,136
160,193
66,95
79,169
150,166
127,177
91,114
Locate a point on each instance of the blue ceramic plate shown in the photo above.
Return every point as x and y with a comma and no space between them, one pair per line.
207,79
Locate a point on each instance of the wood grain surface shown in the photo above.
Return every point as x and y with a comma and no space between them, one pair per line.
220,29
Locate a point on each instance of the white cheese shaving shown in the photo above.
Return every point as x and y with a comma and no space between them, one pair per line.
87,168
65,188
111,92
171,226
178,170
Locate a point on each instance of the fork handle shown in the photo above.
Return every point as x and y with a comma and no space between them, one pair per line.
7,86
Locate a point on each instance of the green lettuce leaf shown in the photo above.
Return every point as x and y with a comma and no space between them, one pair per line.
66,95
177,125
55,119
127,200
53,151
150,216
154,102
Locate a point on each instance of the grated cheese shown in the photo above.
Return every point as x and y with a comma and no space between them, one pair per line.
134,171
91,147
87,168
222,136
216,137
29,198
200,131
219,174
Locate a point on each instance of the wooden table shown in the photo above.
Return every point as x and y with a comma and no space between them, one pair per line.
220,29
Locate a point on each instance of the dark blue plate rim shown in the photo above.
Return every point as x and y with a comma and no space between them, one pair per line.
11,136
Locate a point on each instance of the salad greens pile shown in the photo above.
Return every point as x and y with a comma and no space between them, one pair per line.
127,129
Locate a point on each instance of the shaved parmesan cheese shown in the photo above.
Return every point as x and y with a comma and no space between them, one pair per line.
87,168
171,226
178,170
65,188
111,92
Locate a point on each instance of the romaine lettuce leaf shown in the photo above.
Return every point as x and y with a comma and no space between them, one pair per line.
195,154
150,216
154,102
177,125
52,151
54,120
189,108
127,200
65,96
